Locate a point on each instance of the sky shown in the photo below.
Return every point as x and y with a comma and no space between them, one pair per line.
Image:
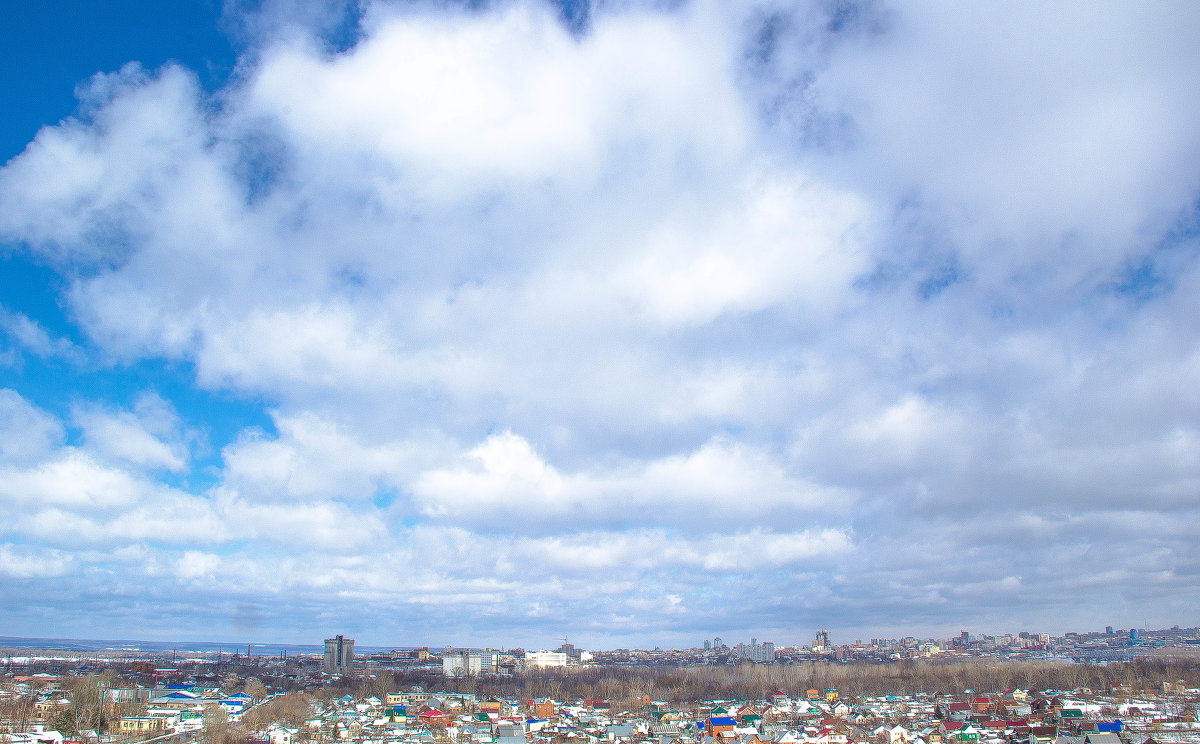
635,322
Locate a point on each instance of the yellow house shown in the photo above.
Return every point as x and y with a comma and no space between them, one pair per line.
45,710
140,725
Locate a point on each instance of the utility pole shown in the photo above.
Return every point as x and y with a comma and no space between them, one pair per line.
100,703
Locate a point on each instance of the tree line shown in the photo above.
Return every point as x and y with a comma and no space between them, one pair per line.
626,686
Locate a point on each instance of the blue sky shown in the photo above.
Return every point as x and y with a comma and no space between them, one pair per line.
634,322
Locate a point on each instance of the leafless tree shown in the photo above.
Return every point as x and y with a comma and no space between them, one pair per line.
255,689
216,726
86,711
16,710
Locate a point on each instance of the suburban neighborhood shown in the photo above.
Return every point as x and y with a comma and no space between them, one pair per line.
909,695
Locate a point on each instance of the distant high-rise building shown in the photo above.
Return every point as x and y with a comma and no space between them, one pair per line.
707,645
761,652
339,654
469,662
1108,630
821,641
570,650
717,642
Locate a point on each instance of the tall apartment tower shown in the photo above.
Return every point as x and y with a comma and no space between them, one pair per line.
339,654
821,641
761,652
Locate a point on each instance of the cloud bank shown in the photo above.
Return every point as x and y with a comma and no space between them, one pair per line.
682,321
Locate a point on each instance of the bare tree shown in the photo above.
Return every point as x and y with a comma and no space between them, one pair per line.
17,710
291,710
255,689
86,711
216,725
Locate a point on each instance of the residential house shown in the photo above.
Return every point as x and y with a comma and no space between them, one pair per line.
140,725
719,726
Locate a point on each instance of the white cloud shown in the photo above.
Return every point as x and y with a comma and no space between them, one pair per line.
26,433
30,336
148,436
194,564
889,440
25,562
71,478
721,482
564,325
327,525
165,517
771,242
479,100
648,550
65,496
1051,138
314,458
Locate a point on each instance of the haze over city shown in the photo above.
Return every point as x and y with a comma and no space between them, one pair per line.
632,322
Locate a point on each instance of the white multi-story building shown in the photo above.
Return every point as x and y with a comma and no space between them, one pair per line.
543,659
466,662
761,652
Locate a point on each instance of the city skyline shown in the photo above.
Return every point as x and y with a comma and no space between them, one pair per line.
821,639
615,321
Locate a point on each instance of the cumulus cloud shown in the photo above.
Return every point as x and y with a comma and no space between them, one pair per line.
72,478
447,96
26,433
28,336
829,303
314,457
642,550
149,436
24,562
194,564
1048,140
719,482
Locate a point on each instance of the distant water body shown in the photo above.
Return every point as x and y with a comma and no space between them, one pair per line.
159,648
